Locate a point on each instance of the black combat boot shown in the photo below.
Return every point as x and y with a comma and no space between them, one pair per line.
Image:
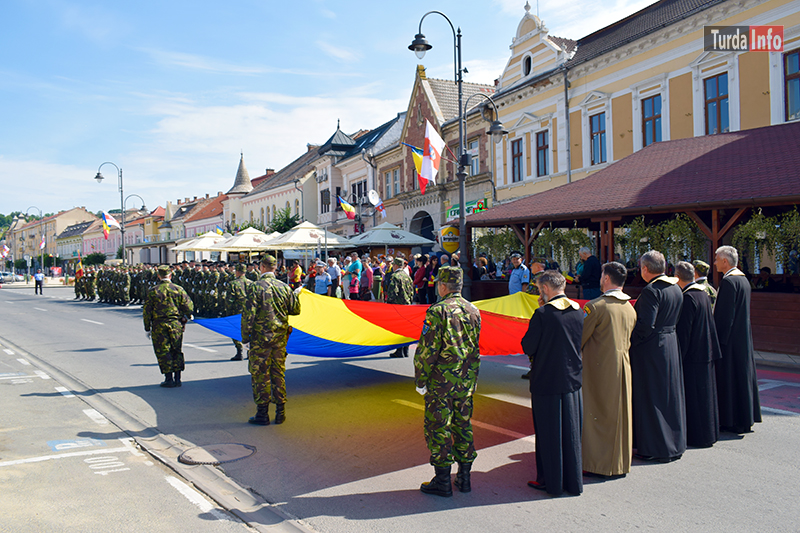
238,356
397,353
168,381
280,413
440,485
178,380
262,416
462,481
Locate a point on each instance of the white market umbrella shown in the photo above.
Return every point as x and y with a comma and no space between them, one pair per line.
306,235
389,235
246,240
203,243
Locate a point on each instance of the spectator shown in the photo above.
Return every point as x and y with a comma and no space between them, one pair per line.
322,281
335,274
421,279
367,279
590,276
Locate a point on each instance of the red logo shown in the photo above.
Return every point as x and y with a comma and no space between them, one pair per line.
766,38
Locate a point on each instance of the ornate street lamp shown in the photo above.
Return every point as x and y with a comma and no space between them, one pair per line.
419,46
99,179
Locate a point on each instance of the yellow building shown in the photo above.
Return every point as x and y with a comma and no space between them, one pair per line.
644,79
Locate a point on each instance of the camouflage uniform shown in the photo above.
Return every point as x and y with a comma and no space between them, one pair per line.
701,267
236,295
265,325
165,313
400,290
533,288
446,364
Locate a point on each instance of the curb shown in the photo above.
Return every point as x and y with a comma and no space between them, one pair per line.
249,507
773,365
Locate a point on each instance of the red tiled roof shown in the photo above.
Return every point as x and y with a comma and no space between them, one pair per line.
158,212
730,169
212,209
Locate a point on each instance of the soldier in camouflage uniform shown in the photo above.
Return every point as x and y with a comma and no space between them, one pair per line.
165,314
701,278
265,325
236,294
446,367
400,290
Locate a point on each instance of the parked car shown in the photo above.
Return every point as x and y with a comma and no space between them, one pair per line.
8,277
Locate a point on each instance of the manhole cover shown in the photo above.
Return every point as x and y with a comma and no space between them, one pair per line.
214,454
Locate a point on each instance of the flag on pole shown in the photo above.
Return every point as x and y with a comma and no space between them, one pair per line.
41,244
79,269
219,230
431,153
108,221
381,209
348,209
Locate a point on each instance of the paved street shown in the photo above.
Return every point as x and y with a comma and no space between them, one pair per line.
350,456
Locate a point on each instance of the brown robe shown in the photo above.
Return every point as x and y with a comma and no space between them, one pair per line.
607,440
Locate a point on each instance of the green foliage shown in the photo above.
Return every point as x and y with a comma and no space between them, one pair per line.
788,235
119,252
51,261
757,235
96,258
497,243
678,238
283,221
8,263
560,244
254,224
20,264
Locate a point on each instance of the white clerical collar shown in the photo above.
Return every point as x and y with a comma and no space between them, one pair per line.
617,293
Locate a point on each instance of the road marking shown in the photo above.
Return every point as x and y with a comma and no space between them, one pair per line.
65,392
40,309
509,398
195,497
9,302
775,411
24,362
519,367
9,352
766,384
41,374
62,456
476,423
16,375
92,321
200,348
95,416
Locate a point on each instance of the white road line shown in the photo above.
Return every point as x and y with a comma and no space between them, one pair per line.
125,448
92,321
9,302
9,352
519,367
510,398
41,374
65,392
14,376
96,417
775,411
23,361
200,348
766,384
40,309
476,423
195,497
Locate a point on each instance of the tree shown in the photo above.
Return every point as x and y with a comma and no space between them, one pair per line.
283,221
96,258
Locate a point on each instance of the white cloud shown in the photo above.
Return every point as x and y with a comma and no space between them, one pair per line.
196,62
336,52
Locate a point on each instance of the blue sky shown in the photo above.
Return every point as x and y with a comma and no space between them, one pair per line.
173,90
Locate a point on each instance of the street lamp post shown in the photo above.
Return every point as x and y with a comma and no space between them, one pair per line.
419,46
368,157
41,227
302,200
144,208
99,179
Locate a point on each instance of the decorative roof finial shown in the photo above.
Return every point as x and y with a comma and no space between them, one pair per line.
527,7
337,123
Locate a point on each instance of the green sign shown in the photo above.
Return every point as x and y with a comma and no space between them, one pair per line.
476,206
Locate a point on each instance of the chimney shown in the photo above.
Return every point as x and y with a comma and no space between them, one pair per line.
186,200
219,193
270,171
195,198
179,201
206,196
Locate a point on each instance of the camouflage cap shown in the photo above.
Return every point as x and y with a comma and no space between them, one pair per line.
269,260
701,267
399,261
450,275
163,270
241,267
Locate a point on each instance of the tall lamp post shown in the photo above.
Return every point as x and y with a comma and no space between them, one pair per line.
99,179
41,227
144,208
419,46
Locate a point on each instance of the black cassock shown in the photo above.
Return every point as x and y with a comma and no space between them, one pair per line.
737,383
659,414
697,337
553,343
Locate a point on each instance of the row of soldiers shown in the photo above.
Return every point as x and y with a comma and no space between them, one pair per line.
206,283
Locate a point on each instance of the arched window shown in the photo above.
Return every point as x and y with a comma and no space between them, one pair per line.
274,211
233,219
288,207
527,65
251,215
297,207
262,216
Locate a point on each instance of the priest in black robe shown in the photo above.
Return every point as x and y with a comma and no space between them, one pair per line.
737,383
697,338
553,344
659,414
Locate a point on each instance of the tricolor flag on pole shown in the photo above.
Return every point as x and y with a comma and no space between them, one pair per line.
41,244
381,209
348,209
79,269
108,221
431,153
6,249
